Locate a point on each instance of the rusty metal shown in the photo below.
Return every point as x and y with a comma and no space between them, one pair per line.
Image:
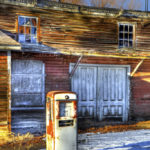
61,120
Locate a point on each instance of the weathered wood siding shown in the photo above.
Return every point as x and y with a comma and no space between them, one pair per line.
4,93
27,81
56,69
72,32
57,77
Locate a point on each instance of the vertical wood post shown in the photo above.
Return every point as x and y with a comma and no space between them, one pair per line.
137,67
9,90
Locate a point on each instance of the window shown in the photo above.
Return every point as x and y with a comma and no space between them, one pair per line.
125,35
27,29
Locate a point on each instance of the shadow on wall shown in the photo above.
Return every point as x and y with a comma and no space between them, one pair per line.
140,85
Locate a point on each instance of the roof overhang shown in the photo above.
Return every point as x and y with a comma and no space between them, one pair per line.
7,43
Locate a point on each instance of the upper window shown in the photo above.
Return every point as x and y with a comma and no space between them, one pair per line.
27,29
125,35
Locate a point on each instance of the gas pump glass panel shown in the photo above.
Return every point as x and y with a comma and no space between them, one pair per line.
66,109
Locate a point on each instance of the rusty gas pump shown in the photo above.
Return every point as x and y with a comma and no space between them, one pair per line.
61,120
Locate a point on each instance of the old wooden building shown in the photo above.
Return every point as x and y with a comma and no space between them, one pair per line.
101,54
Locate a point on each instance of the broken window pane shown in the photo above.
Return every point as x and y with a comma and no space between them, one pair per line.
21,29
28,21
33,39
33,22
27,29
21,38
28,38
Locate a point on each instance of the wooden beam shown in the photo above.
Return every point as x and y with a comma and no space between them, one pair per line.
137,67
75,67
9,91
105,55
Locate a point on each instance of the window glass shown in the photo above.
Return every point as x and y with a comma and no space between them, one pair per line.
33,30
121,36
121,28
33,39
21,38
21,21
28,38
130,36
130,44
126,28
27,29
130,28
21,29
33,22
121,43
125,35
65,109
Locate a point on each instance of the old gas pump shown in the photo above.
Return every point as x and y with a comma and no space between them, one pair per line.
61,120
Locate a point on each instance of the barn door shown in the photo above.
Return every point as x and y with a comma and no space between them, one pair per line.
103,91
112,92
84,84
28,103
27,84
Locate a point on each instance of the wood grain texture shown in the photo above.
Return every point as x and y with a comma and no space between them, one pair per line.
77,33
57,77
4,90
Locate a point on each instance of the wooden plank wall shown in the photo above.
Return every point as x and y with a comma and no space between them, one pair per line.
56,69
4,93
76,32
57,77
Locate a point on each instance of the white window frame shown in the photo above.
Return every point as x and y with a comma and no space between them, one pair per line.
24,35
126,41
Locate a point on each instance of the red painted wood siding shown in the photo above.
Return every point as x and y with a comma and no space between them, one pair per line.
57,77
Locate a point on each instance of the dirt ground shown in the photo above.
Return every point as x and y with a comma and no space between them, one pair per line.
31,142
118,128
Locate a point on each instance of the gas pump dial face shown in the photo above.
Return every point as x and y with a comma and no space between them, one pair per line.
66,97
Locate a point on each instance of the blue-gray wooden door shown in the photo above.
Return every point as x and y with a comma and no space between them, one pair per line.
84,84
103,91
28,96
111,92
27,84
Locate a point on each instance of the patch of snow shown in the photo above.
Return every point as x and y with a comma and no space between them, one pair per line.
129,140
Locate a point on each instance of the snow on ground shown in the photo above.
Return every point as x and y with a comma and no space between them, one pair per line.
129,140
